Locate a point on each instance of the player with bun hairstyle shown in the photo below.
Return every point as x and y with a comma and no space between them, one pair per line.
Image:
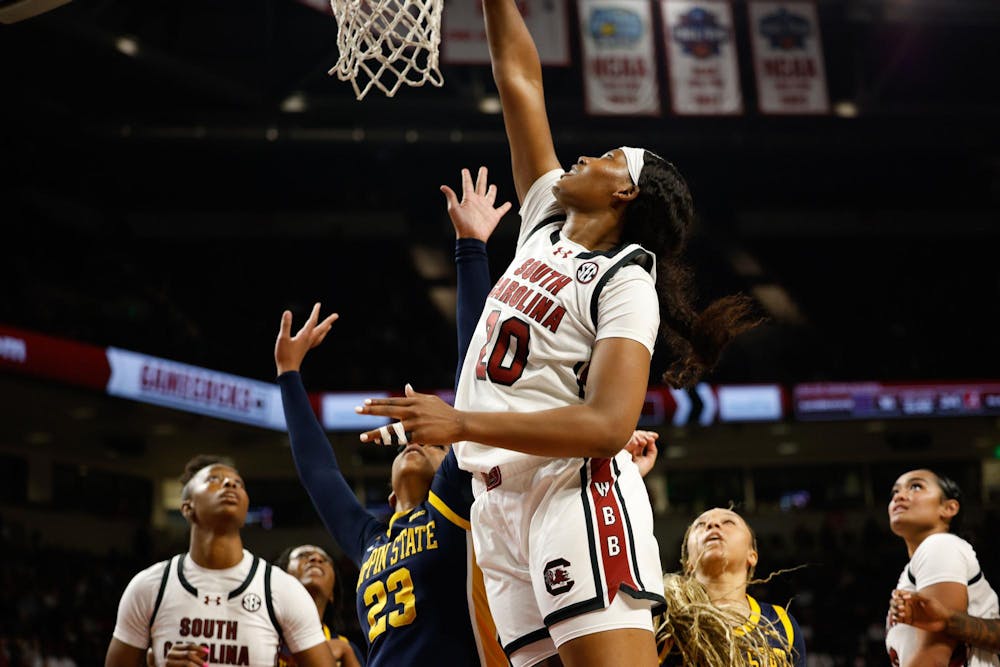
943,567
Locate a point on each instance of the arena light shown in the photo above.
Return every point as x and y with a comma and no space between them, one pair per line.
846,109
490,104
294,103
127,45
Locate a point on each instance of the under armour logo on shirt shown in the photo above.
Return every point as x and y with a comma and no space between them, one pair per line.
218,600
562,251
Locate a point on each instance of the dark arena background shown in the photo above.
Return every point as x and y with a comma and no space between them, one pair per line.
175,174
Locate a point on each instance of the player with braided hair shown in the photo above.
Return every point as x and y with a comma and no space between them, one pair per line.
712,620
556,378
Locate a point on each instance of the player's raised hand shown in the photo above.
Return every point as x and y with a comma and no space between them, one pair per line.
919,611
289,351
642,447
422,418
475,216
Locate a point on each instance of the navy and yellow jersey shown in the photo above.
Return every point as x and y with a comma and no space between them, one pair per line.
286,659
422,565
780,627
417,598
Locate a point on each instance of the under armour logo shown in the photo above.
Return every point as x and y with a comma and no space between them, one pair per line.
218,600
602,488
562,252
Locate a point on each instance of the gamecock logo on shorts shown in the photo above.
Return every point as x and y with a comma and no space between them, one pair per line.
251,602
557,579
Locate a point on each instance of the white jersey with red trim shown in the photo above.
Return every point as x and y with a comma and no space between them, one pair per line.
944,558
532,347
239,614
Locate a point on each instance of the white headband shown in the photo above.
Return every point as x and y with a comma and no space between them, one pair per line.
635,157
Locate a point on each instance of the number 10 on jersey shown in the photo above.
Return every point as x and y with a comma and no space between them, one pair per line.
512,332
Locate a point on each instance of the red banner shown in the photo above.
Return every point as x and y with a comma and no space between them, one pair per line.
53,358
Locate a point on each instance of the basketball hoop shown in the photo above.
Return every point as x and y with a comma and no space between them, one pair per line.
386,43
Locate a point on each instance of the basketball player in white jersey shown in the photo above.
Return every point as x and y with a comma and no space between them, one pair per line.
556,377
218,604
942,566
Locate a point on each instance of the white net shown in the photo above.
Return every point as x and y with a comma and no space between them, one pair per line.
386,43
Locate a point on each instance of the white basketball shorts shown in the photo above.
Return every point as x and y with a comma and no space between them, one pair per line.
560,546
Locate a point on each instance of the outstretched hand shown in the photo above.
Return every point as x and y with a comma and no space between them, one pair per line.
289,351
425,418
474,217
919,611
642,447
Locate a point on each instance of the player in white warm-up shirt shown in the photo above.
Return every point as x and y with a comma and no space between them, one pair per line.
942,566
218,604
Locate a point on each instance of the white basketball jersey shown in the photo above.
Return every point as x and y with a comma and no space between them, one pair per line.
532,346
240,614
940,558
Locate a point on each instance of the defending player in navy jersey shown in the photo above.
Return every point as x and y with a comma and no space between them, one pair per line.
420,597
217,604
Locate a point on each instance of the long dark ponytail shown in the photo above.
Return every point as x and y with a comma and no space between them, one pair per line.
659,219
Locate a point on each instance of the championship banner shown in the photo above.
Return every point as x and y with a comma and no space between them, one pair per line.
788,58
619,63
701,57
463,33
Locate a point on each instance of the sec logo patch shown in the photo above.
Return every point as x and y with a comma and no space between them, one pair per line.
586,272
251,602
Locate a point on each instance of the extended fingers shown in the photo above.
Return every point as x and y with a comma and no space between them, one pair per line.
450,196
396,433
481,182
467,187
285,330
325,325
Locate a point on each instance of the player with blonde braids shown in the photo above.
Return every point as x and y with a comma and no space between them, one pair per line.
711,619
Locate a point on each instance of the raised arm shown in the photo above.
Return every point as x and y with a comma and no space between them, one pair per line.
347,521
474,219
518,75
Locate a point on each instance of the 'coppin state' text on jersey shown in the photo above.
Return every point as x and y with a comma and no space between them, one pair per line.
532,348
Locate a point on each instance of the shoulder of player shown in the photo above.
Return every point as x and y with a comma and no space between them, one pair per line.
540,191
445,506
152,575
777,617
774,612
281,581
940,542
